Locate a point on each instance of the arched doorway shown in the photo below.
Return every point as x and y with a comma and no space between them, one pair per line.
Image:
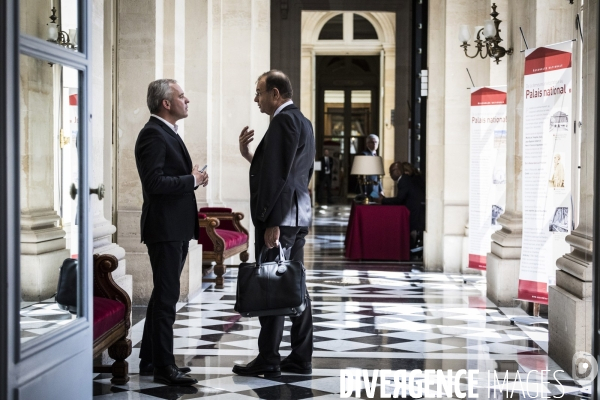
347,93
348,80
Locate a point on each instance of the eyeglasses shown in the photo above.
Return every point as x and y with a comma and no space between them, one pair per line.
257,94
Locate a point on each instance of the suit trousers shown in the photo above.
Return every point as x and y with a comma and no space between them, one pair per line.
167,260
271,328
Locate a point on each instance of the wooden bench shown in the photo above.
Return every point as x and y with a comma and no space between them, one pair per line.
221,236
112,319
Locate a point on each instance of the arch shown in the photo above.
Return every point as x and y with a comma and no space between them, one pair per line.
333,28
315,21
363,27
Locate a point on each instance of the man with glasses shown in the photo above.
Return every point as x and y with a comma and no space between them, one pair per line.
280,207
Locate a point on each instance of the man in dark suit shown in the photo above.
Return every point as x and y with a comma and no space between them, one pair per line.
409,194
325,178
374,189
169,221
280,207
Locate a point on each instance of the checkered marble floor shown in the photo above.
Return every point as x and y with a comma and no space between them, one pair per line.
42,317
366,316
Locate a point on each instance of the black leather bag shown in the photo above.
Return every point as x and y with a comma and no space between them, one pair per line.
66,291
271,288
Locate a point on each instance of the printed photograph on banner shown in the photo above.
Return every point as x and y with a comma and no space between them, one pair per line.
487,170
547,124
557,180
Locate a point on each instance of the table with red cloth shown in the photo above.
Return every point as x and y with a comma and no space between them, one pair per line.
378,232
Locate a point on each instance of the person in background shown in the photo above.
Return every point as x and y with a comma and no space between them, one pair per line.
409,194
325,178
374,189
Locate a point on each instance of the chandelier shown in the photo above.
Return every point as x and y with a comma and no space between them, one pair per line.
487,41
62,38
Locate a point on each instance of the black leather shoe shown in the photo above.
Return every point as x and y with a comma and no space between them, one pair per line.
291,365
171,376
257,367
147,369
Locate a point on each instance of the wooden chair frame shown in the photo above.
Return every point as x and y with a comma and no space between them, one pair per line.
219,254
115,339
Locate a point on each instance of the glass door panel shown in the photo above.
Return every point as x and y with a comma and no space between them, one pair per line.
333,138
48,155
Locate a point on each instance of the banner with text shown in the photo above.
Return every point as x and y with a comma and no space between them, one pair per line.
546,167
487,172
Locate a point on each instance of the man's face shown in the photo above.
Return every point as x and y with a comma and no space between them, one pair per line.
178,104
326,153
395,172
264,98
372,144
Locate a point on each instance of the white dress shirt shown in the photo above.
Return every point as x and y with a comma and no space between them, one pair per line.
170,125
281,107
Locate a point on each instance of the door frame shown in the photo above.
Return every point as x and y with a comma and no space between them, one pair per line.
320,126
46,367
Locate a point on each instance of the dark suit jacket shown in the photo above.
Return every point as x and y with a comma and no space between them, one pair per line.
280,171
409,194
169,212
375,178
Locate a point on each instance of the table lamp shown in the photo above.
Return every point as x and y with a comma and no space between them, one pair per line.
364,166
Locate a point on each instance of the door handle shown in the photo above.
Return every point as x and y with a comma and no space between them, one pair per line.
100,190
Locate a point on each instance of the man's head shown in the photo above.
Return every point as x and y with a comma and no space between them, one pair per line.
326,152
557,159
166,99
273,88
396,170
408,168
372,142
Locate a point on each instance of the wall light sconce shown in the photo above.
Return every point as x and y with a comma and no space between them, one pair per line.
62,38
489,45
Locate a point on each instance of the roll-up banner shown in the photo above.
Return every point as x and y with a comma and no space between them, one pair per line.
487,173
547,122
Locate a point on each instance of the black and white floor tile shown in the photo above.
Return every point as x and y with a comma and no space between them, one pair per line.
38,318
366,316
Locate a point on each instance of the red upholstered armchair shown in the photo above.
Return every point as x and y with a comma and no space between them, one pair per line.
221,236
112,319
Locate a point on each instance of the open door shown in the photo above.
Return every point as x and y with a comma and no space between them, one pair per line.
46,352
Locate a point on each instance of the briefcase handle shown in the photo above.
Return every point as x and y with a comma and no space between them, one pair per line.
264,250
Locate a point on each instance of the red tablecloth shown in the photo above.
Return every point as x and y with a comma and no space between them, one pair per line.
378,232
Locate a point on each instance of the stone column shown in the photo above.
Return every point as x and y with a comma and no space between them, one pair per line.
43,244
570,310
101,131
388,150
227,49
139,61
532,17
447,200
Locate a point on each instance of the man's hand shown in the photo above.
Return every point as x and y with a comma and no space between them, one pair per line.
246,136
201,177
272,237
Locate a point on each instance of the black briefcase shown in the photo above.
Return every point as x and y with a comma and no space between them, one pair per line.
271,288
66,290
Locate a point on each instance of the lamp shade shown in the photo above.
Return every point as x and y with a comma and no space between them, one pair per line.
489,29
367,165
464,34
52,32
